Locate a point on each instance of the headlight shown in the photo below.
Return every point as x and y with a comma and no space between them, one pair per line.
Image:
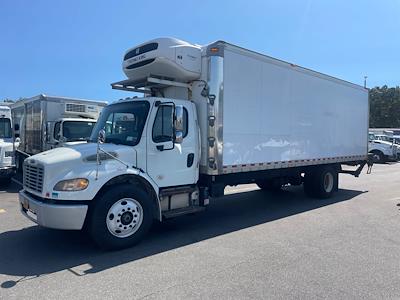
70,185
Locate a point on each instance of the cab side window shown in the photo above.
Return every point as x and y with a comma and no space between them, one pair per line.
162,127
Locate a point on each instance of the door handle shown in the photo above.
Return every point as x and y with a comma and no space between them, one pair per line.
190,159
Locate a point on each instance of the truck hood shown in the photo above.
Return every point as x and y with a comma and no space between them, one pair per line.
6,141
83,153
383,142
77,161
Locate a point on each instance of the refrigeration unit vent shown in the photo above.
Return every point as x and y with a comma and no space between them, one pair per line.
76,108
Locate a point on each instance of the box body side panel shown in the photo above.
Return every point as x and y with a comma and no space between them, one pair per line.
274,113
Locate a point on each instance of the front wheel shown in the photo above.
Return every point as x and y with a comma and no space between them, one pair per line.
120,218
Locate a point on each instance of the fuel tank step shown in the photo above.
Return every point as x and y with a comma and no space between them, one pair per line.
182,211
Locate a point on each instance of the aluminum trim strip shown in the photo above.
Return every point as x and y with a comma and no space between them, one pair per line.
290,164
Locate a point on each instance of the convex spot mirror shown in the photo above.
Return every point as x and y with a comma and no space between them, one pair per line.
101,136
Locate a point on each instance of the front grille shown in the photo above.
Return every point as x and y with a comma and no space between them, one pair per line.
33,177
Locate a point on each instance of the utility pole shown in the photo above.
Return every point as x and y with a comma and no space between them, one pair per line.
365,81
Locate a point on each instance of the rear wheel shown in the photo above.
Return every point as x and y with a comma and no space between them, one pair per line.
120,218
321,182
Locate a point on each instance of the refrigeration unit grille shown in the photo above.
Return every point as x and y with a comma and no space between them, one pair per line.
33,177
72,107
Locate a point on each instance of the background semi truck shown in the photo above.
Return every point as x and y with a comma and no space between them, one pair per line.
211,116
7,166
46,122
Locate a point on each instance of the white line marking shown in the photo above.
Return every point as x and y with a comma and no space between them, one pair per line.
16,181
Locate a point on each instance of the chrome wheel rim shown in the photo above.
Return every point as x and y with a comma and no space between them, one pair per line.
124,217
328,182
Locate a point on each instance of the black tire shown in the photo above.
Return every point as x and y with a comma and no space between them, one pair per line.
378,157
321,182
98,225
269,185
19,163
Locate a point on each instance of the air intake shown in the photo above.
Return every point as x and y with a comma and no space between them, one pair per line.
76,108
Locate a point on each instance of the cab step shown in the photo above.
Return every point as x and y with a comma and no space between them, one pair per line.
182,211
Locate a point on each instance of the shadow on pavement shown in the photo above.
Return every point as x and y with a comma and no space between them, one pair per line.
36,251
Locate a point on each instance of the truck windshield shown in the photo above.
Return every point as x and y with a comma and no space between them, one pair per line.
122,122
5,128
77,130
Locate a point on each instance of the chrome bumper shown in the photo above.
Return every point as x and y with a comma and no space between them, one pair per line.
57,216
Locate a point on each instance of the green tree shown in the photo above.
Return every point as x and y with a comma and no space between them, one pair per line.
384,107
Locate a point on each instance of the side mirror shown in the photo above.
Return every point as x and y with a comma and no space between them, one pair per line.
16,127
179,118
101,137
178,125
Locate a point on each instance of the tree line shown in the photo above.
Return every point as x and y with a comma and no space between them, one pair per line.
384,110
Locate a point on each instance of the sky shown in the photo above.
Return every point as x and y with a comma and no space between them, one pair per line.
75,48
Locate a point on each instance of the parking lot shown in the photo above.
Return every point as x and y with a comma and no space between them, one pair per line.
248,244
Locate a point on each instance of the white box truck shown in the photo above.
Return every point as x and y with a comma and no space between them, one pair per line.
46,122
7,166
211,116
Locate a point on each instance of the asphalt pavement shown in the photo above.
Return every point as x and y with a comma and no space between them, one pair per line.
247,244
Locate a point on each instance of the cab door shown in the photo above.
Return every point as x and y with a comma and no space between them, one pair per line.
169,163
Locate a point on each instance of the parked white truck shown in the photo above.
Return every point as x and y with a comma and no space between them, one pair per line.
46,122
7,166
382,148
211,116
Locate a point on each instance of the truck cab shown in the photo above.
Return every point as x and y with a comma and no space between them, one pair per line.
152,143
67,130
381,148
6,144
